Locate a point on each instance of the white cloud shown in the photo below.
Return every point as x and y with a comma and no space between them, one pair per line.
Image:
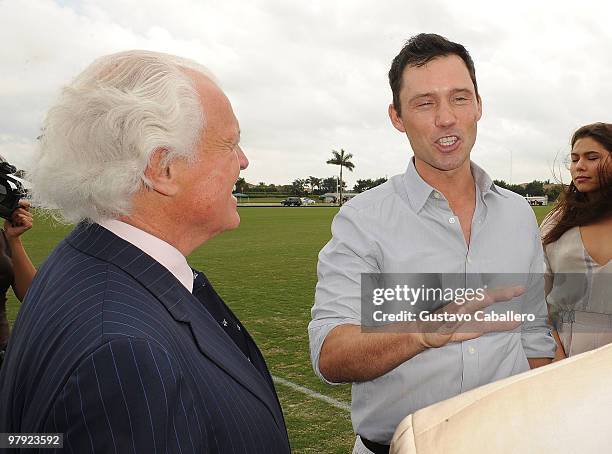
309,77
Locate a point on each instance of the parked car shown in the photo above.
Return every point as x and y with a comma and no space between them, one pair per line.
307,201
292,202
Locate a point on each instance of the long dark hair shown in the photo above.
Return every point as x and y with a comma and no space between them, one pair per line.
576,208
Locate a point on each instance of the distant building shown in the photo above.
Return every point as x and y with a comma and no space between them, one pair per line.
537,200
241,197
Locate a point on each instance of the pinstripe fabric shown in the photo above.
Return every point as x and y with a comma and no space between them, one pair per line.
111,350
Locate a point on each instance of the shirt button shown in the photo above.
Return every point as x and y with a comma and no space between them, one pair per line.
436,195
471,350
451,220
469,260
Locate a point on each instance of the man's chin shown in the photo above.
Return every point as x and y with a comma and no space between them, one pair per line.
235,221
451,163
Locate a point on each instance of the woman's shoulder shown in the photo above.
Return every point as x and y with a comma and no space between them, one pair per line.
549,222
566,254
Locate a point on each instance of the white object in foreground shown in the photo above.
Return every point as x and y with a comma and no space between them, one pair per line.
562,408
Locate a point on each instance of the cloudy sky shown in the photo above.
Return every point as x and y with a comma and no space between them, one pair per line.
306,77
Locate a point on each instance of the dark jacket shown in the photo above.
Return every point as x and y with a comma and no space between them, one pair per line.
112,351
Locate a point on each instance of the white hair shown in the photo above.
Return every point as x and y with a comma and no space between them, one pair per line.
98,139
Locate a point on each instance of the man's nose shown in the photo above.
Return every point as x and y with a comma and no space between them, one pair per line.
242,159
445,115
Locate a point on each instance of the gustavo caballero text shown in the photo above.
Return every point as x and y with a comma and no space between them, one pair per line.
426,316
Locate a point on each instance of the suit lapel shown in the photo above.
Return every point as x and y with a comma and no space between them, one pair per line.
253,351
211,340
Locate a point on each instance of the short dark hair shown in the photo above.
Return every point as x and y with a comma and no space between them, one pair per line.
420,50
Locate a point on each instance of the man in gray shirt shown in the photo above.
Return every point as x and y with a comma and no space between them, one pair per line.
443,215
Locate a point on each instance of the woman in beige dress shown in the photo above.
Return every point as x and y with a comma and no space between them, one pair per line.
577,238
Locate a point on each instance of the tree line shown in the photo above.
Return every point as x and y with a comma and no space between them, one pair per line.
313,185
321,185
305,186
534,188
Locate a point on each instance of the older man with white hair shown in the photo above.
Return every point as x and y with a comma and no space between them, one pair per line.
120,345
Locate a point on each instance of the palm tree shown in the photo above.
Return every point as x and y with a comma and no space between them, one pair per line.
314,182
240,185
341,159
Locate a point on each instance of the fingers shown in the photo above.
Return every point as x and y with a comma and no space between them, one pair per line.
475,329
20,221
492,296
505,293
483,327
22,212
458,322
21,217
26,222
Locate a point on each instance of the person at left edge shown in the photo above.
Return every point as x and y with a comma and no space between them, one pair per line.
131,353
16,268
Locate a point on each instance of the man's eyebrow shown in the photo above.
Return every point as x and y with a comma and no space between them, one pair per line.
421,95
432,94
461,90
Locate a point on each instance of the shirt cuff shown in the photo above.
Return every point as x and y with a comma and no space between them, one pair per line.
317,332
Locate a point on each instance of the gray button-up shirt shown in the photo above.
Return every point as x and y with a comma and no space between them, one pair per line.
406,226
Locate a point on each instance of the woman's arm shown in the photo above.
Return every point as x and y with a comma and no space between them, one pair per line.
21,221
548,285
560,352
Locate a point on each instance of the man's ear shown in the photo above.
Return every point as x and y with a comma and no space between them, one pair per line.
396,120
162,175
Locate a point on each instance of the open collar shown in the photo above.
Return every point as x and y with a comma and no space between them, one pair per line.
419,191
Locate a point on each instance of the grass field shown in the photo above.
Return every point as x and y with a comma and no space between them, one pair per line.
266,272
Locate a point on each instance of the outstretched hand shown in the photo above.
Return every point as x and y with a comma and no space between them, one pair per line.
21,220
437,334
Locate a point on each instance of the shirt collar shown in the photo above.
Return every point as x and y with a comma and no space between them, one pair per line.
419,190
164,253
484,181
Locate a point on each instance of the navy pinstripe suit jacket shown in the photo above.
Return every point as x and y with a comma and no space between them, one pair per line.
111,350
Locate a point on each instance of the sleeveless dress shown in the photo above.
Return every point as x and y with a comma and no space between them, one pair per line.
581,295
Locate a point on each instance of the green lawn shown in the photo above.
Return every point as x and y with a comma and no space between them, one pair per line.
266,271
541,212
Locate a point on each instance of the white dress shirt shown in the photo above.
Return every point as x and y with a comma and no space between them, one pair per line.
162,252
406,226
